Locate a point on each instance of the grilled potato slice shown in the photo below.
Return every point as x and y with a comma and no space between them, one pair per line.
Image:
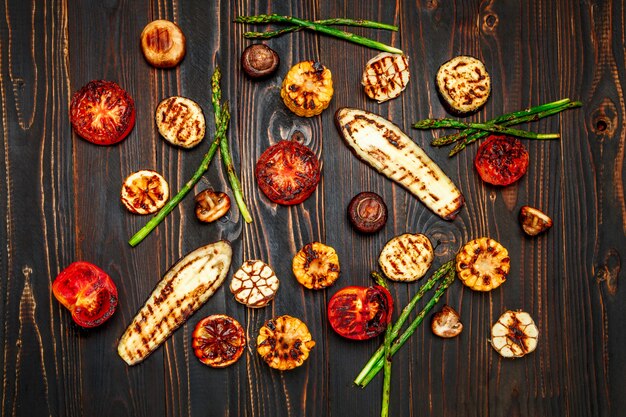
483,264
144,192
254,284
316,266
514,334
385,76
181,292
180,121
406,257
463,84
284,342
307,88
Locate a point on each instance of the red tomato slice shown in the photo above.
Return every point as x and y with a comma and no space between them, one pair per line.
360,313
102,112
501,160
88,292
288,172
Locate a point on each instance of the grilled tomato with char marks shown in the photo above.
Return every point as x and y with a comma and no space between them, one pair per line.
501,160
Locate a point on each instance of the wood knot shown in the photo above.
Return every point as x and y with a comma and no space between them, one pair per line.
490,22
603,120
445,243
298,136
608,271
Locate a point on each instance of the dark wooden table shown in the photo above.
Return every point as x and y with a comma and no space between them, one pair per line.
59,203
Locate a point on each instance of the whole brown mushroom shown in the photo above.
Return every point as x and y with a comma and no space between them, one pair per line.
163,44
259,61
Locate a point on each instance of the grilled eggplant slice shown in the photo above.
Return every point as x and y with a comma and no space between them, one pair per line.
182,291
463,84
180,121
406,257
386,76
387,149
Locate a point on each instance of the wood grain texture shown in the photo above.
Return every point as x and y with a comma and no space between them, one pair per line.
59,203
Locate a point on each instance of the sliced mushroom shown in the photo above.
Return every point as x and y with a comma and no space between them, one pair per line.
446,323
211,205
534,221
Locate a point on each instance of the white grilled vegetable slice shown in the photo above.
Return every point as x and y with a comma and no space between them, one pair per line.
388,150
385,76
464,84
144,192
180,121
182,291
514,334
406,257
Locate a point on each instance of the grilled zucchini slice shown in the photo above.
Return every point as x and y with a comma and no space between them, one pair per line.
463,84
483,264
406,257
180,121
307,88
386,76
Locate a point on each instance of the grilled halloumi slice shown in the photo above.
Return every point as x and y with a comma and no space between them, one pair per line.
386,76
180,121
182,291
383,146
464,84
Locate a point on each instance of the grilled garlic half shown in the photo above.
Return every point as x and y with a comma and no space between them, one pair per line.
514,334
386,76
483,264
254,284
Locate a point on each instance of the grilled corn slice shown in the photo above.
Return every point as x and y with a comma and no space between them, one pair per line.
385,76
182,291
406,257
254,284
180,121
307,88
316,266
144,192
483,264
464,84
284,342
514,334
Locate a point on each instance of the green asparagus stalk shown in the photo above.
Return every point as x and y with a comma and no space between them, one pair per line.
404,315
307,24
486,127
326,22
138,237
375,364
224,150
384,409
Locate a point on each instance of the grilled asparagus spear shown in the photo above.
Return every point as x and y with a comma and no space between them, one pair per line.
388,150
182,291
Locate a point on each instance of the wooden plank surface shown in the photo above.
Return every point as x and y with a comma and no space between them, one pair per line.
59,203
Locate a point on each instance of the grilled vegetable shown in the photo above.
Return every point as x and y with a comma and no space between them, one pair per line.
211,205
254,284
514,334
307,88
534,221
87,292
501,160
180,121
483,264
218,341
387,149
284,342
385,76
163,44
406,257
182,291
360,313
316,266
446,323
259,61
367,212
464,84
144,192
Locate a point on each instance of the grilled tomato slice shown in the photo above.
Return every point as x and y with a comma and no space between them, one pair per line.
88,292
288,172
218,341
102,112
360,313
501,160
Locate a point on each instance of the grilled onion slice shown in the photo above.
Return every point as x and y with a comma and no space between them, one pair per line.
483,264
514,334
284,342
